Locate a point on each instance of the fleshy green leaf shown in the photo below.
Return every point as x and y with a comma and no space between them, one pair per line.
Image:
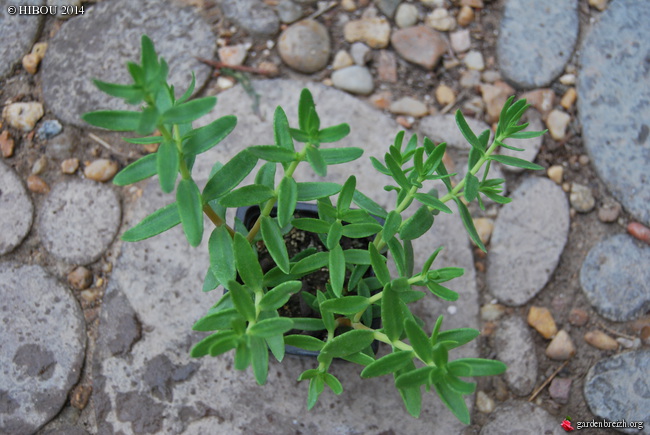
346,304
356,231
337,269
347,192
416,225
378,262
281,129
143,140
397,173
247,264
154,224
316,160
357,256
369,205
333,383
148,121
115,120
204,138
453,400
460,336
167,164
141,169
259,358
287,200
132,93
514,161
347,343
248,195
188,93
190,111
218,320
419,340
222,255
311,225
527,134
306,342
469,224
466,367
229,176
272,236
471,187
335,156
314,190
387,364
334,235
415,378
334,133
279,295
316,387
467,132
242,300
397,252
442,292
272,153
270,327
311,263
188,198
391,313
210,282
202,348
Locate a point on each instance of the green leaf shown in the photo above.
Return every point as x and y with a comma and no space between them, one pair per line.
154,224
266,175
514,161
527,134
335,156
272,153
242,300
357,231
116,120
415,378
242,356
417,225
141,169
453,400
272,236
316,387
305,106
445,274
311,263
316,160
334,133
347,192
148,55
270,327
308,324
259,359
471,187
188,93
469,224
287,200
334,235
369,205
412,398
397,173
337,269
299,135
281,132
333,383
132,93
379,166
359,358
378,262
190,111
222,255
188,198
346,305
204,138
467,132
306,342
276,344
476,367
391,313
460,336
202,348
279,295
223,345
460,386
397,252
357,256
218,320
387,364
311,225
442,292
314,190
167,164
229,176
308,374
248,195
347,343
247,264
148,121
419,340
143,140
210,282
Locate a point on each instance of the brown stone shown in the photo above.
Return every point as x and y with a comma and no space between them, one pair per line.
101,170
69,166
80,395
600,340
387,66
578,317
541,99
80,278
569,98
6,144
37,185
639,231
420,45
561,347
374,32
465,16
541,319
477,4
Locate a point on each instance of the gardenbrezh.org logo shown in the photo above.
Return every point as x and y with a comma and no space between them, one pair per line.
567,425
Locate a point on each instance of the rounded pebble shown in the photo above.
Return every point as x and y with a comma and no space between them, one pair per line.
23,116
578,317
639,232
406,15
609,212
600,340
409,106
43,347
557,123
484,228
16,210
445,95
80,278
79,220
561,348
420,45
440,20
70,166
465,16
341,60
7,144
582,200
355,79
560,389
288,11
555,173
460,40
484,403
374,32
474,60
305,46
101,170
37,185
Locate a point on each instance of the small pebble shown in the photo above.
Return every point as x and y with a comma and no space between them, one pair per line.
101,170
568,79
234,54
601,5
288,11
7,144
584,159
405,121
445,95
348,5
491,312
460,41
305,46
474,60
381,100
342,59
600,340
557,122
561,347
409,106
375,32
37,185
495,97
578,317
70,166
609,212
555,173
484,227
406,15
569,98
465,16
420,45
639,231
39,165
470,79
581,198
566,187
355,79
49,129
476,4
224,82
645,335
361,53
91,295
490,76
23,116
39,49
80,395
488,329
541,319
484,403
387,66
541,99
440,19
30,63
80,278
629,344
501,389
560,389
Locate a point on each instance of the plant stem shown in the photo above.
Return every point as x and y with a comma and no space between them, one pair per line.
216,220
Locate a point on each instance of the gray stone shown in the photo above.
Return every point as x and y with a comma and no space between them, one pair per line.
79,220
388,7
97,45
66,430
43,341
528,239
361,53
614,103
535,43
530,146
16,210
516,349
254,16
522,418
305,46
443,128
615,276
581,198
161,278
49,129
17,33
355,79
618,388
288,11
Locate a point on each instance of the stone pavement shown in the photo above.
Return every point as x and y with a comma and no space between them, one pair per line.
143,380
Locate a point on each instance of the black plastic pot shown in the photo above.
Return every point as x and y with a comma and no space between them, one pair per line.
248,216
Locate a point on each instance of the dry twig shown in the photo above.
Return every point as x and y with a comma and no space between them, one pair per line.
547,381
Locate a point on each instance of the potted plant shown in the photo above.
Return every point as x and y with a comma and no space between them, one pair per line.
264,277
